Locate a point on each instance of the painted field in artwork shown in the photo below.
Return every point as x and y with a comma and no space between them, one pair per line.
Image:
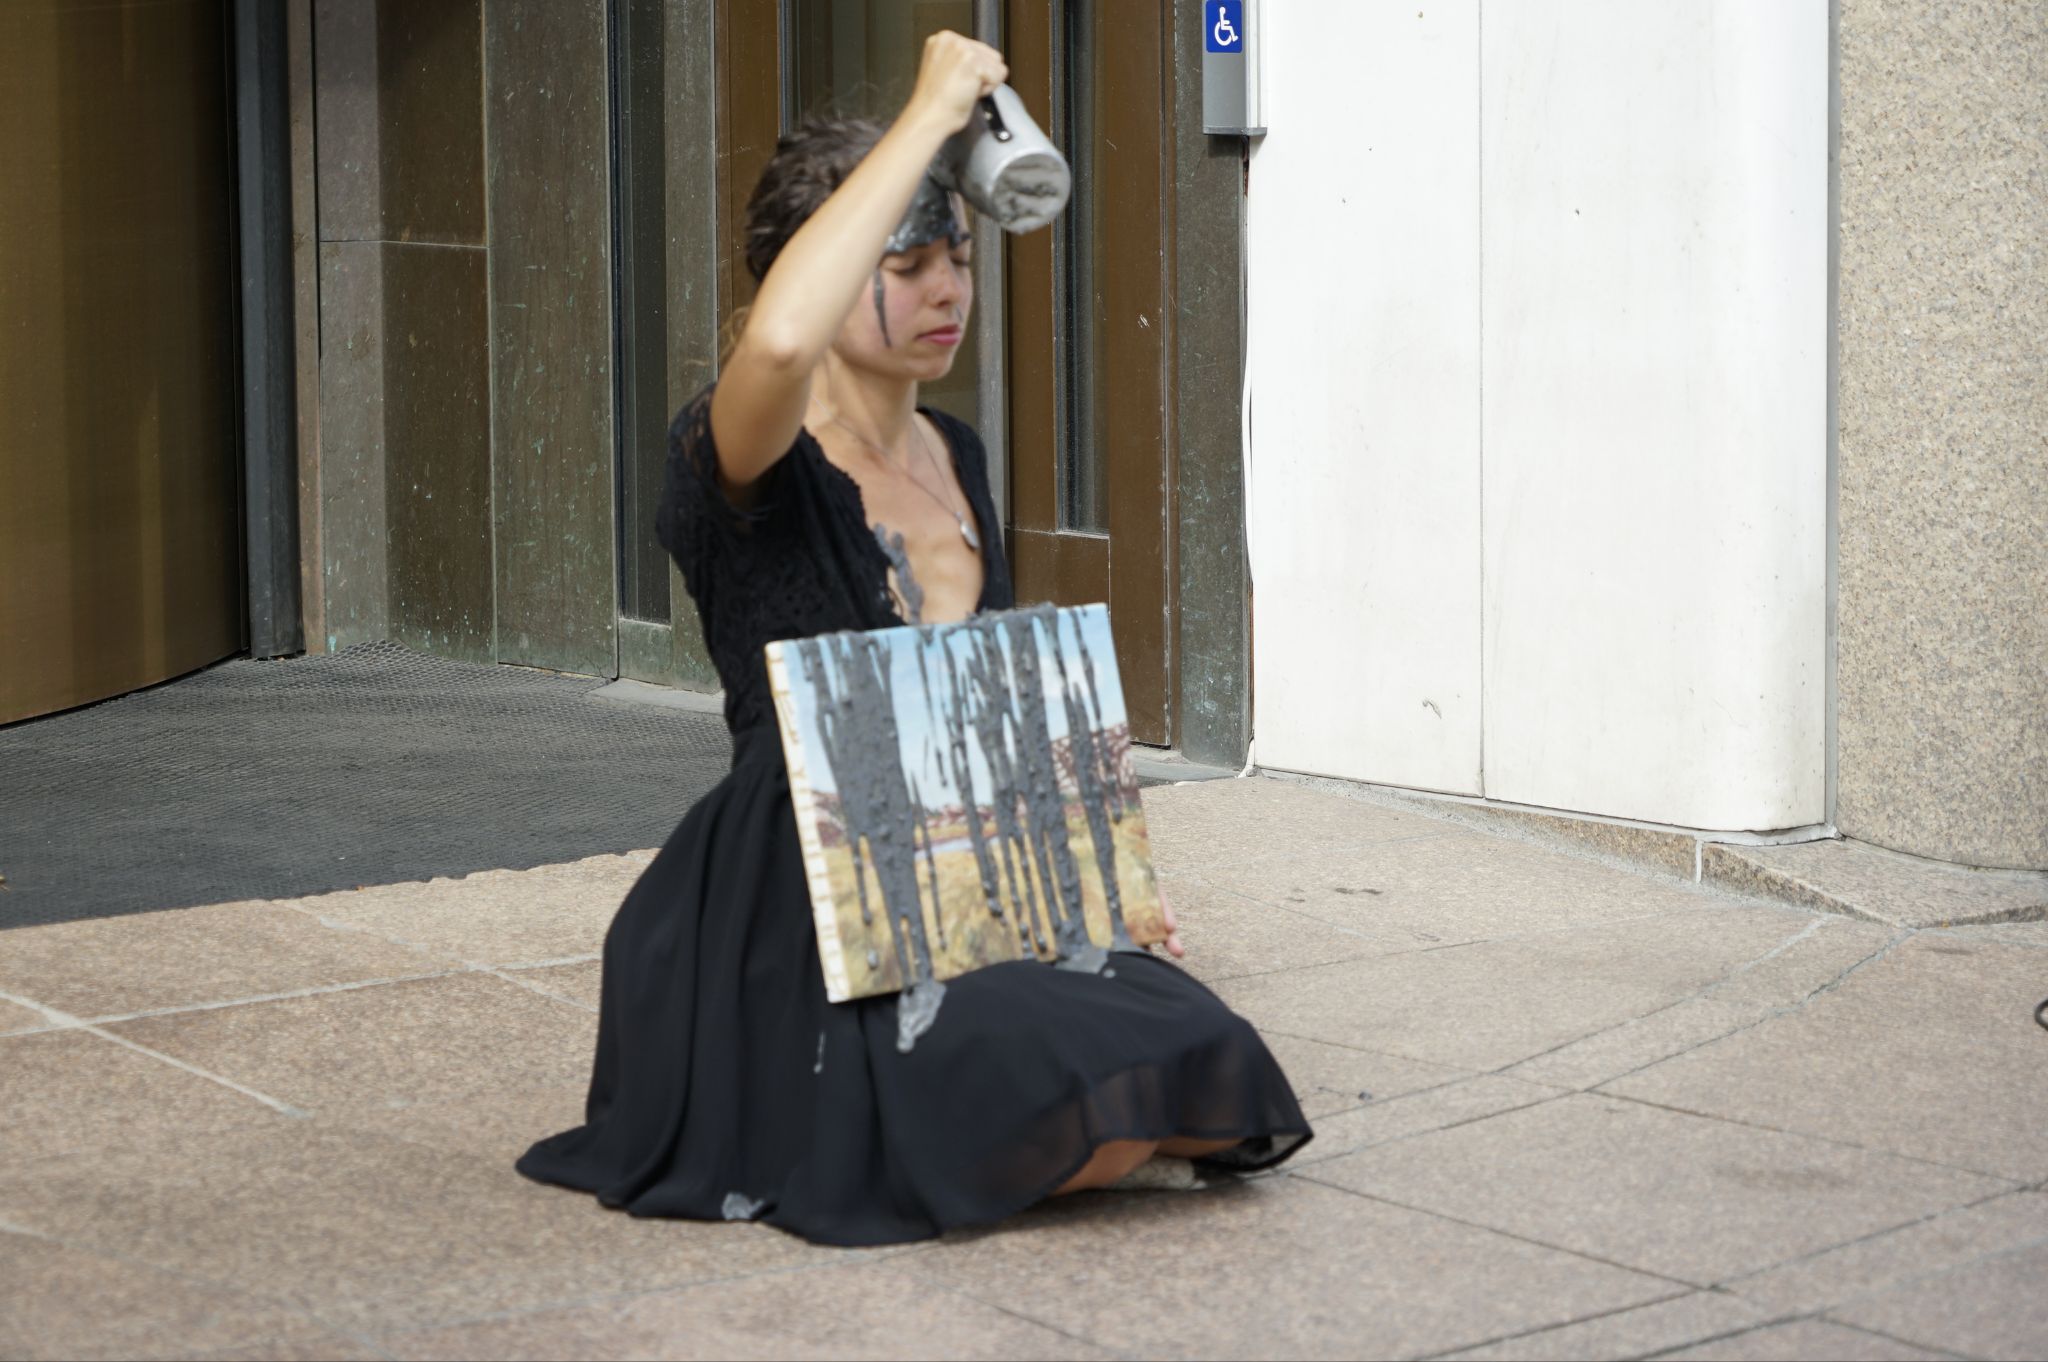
965,796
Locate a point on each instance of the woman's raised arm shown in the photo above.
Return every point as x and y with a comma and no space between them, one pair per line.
765,385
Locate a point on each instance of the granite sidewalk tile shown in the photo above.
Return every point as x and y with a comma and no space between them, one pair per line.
1866,1267
1930,1051
1994,1307
494,917
1476,1185
1298,1270
72,1091
1199,826
365,1230
1490,1004
398,1043
114,966
1686,1197
1457,887
844,1310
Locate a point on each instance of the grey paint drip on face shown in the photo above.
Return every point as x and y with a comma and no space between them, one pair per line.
930,216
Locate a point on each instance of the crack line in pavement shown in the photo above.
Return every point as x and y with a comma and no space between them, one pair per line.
1734,1284
1431,1130
1797,1318
1784,1010
964,1294
1499,1339
68,1022
1652,1273
2012,1184
1774,952
314,991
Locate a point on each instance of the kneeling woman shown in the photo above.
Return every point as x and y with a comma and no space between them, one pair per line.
726,1086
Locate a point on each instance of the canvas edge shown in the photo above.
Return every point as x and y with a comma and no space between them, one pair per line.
831,953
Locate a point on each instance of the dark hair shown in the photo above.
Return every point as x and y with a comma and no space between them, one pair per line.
808,165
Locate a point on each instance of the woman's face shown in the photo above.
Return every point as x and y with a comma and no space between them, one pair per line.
914,313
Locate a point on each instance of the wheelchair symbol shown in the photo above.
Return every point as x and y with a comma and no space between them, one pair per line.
1225,35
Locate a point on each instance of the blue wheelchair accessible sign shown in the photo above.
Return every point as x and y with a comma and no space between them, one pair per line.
1223,22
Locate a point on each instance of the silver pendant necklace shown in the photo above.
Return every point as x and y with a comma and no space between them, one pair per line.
966,528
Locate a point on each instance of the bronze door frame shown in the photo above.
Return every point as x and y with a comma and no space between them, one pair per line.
1131,565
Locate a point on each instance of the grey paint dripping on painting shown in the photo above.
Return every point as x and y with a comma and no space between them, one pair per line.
740,1206
857,723
1047,818
989,689
1092,772
819,1067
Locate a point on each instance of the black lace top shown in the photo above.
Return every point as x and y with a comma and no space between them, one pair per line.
803,559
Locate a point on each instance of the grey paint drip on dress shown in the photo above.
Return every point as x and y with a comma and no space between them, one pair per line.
740,1206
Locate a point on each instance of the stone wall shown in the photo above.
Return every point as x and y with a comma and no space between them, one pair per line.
1943,429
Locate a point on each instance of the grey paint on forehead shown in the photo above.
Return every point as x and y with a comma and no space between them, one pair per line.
932,214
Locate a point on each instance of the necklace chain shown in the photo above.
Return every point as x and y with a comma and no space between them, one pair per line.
959,518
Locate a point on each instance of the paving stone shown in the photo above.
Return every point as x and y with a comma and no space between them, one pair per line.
581,983
1228,935
495,1127
495,917
1694,1199
1275,1267
1334,1078
14,1020
1803,1340
67,1302
427,1040
315,1345
1841,875
1995,1307
1460,886
128,1098
1810,959
364,1229
1645,1330
114,966
1491,1004
1930,1052
1221,822
1455,1103
1870,1266
854,1310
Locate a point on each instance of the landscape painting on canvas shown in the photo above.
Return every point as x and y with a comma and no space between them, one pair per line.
965,795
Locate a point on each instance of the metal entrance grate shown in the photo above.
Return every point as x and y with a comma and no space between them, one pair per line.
368,766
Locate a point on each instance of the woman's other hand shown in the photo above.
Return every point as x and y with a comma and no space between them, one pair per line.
956,71
1173,942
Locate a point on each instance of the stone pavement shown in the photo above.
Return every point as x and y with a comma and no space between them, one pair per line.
1563,1109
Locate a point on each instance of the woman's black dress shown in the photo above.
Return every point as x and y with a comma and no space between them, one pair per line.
726,1086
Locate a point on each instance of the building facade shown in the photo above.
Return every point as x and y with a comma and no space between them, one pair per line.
1628,412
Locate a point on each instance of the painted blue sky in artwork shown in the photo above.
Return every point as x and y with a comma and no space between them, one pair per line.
922,744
